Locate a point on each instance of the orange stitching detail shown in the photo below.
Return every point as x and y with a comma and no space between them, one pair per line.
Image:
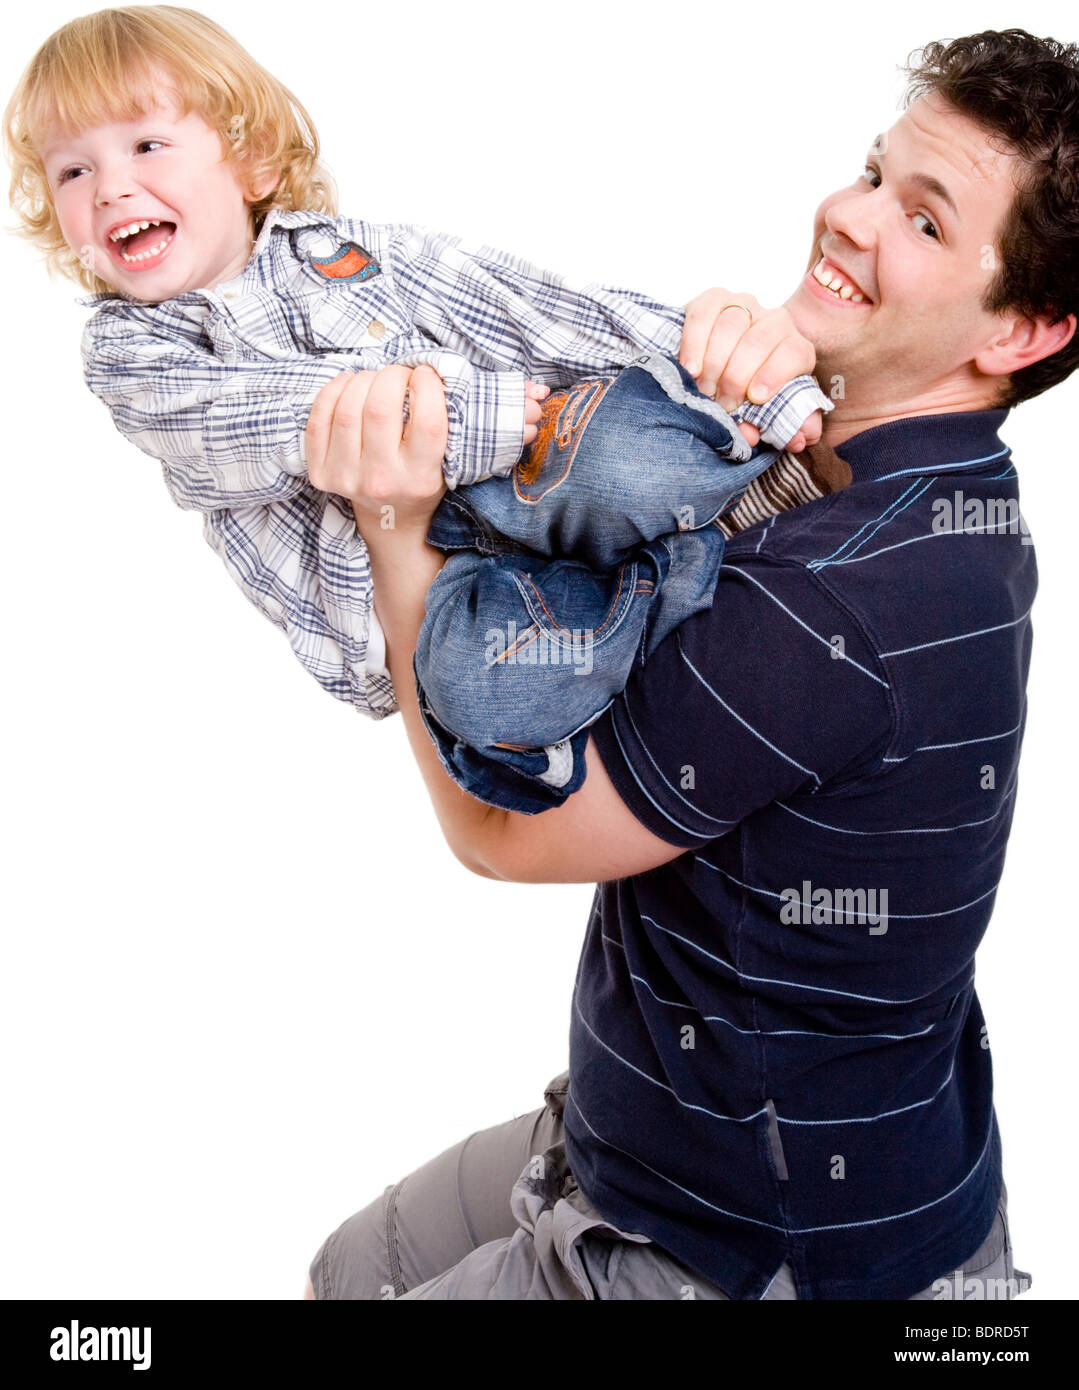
610,611
517,645
563,416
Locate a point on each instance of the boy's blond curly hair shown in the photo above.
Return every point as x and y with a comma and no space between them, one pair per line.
98,69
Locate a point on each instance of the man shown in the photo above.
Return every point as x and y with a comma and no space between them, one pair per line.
796,814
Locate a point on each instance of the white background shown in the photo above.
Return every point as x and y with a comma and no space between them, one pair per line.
245,985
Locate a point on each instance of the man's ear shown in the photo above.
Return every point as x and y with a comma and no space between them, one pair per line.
1027,341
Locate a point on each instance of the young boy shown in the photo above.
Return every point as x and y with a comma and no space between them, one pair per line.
228,293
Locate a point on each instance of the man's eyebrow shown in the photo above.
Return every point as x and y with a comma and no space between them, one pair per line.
926,181
934,186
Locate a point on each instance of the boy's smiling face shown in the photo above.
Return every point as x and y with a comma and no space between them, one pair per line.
163,167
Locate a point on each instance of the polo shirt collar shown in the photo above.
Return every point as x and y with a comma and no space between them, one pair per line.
955,441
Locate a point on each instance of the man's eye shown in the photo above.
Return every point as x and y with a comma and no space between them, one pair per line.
930,229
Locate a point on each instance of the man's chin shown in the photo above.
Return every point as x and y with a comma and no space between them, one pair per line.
826,328
805,312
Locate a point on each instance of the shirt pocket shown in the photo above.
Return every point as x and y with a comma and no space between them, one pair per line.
346,317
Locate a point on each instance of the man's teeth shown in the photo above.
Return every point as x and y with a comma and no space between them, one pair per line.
832,280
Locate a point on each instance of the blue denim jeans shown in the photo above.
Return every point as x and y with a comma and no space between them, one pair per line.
570,570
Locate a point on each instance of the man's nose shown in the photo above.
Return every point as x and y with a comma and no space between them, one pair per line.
855,217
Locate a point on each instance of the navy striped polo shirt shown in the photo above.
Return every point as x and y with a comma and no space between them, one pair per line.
776,1048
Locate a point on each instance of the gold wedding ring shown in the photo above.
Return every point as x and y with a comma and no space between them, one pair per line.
745,311
737,306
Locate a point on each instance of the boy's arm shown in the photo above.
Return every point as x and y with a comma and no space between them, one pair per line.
504,313
305,567
226,433
232,433
516,320
239,459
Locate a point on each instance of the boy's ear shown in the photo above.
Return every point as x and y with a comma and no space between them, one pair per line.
256,185
263,186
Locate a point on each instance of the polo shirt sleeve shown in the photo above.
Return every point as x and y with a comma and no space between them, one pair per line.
774,691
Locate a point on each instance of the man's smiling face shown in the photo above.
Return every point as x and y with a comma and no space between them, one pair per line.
917,236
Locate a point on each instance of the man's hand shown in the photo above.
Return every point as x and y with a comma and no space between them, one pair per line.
733,359
336,471
359,446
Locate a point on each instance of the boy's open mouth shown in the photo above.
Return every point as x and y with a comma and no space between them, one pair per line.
141,245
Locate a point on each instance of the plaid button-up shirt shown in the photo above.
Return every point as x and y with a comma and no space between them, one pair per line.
217,385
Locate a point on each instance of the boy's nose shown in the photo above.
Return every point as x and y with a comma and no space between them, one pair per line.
112,184
112,195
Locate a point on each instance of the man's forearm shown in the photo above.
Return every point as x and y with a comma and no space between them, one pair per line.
402,570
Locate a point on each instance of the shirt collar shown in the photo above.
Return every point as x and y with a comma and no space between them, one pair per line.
952,441
276,217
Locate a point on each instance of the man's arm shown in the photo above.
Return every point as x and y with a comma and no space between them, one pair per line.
592,836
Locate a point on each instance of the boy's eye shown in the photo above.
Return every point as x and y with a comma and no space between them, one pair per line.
932,229
871,174
74,169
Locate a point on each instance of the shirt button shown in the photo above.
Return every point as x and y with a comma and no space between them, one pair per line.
376,329
230,294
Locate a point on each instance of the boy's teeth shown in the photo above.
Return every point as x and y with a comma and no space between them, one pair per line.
131,229
143,255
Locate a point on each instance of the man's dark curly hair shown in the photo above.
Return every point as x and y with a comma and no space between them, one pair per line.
1025,91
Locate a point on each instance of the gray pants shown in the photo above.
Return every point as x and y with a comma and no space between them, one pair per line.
499,1216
